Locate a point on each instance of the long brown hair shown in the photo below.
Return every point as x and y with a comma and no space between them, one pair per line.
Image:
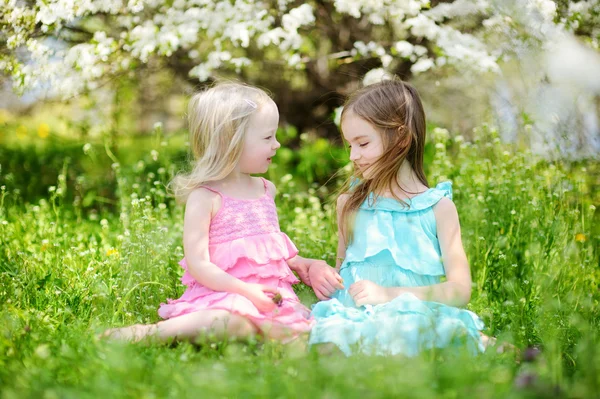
394,109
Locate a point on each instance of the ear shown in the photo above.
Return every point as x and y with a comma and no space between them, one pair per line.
404,138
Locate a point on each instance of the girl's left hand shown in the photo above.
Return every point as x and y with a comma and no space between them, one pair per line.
366,292
302,271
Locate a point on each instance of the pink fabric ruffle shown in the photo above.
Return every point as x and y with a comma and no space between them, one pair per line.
261,248
259,259
263,255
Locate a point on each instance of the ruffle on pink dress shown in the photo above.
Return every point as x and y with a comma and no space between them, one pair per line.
245,241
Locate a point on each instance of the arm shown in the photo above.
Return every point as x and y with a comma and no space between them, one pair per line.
324,279
455,291
342,241
198,212
298,264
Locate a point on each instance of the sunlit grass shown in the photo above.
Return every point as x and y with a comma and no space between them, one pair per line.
83,258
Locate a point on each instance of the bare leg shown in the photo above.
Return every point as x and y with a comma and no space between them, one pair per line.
328,349
197,325
280,332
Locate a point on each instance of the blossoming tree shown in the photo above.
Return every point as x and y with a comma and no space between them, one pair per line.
305,52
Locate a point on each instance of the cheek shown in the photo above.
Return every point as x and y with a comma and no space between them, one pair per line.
253,148
371,153
376,151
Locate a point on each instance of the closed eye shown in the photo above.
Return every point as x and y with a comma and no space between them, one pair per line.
268,138
362,145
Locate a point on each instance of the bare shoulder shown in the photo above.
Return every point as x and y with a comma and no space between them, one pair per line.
202,200
444,205
445,211
271,189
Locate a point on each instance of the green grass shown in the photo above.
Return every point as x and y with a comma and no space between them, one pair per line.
71,267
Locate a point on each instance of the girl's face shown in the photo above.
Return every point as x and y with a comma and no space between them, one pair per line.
365,142
260,144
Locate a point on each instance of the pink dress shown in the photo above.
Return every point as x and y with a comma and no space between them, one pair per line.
245,240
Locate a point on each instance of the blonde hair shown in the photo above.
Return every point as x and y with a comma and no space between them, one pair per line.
218,120
394,109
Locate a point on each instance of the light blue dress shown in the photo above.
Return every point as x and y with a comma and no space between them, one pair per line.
395,246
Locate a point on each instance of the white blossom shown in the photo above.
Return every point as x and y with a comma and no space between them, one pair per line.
375,76
422,65
404,48
217,34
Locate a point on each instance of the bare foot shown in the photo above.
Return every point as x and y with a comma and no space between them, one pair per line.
297,347
134,333
500,347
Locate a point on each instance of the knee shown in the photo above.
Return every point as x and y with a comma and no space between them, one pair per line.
240,327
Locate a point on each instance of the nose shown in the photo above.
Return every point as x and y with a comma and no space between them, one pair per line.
354,155
276,145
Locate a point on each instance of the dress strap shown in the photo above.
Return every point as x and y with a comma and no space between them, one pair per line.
213,190
265,186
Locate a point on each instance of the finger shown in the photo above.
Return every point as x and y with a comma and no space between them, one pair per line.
359,302
268,305
355,288
268,288
334,282
330,288
325,287
361,296
305,278
320,295
352,290
360,299
325,294
352,293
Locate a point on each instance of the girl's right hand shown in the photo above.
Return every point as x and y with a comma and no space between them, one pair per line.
324,279
257,293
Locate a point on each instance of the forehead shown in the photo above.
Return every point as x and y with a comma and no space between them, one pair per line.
268,111
266,117
354,127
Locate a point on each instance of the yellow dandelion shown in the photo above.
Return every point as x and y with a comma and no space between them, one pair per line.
21,132
112,252
43,130
45,245
580,237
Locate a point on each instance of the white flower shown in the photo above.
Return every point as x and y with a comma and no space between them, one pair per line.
298,17
547,8
386,60
404,48
337,119
375,76
421,26
422,65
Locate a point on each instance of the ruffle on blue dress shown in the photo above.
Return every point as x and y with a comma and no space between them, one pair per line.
395,246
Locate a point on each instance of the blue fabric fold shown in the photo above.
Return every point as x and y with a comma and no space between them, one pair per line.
395,245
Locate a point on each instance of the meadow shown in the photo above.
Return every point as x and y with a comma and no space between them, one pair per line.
90,239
